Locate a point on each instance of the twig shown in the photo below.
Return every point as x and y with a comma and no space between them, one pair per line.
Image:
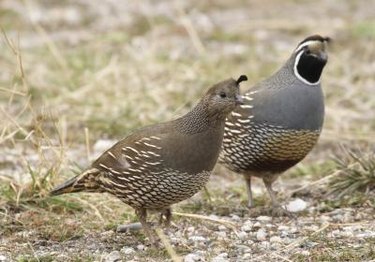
12,91
172,253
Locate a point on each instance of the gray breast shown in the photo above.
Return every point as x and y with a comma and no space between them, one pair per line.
297,107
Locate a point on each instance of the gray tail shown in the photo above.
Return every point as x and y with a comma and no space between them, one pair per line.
83,182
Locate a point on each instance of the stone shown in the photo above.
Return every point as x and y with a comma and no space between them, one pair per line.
247,226
261,235
275,239
223,257
114,256
264,218
127,250
296,205
192,257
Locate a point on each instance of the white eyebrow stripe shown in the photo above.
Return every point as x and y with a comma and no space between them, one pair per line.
306,44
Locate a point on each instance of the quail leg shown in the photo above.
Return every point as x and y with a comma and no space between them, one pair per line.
277,210
250,202
165,217
142,216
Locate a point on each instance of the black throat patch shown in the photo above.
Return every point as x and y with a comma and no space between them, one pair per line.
310,67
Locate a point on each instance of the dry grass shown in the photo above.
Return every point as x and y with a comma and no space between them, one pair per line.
72,74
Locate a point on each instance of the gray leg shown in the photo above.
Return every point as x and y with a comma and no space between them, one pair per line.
250,202
142,216
271,192
277,210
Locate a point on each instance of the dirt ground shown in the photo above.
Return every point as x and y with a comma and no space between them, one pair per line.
75,76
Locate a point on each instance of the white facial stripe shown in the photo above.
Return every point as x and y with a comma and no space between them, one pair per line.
298,56
306,44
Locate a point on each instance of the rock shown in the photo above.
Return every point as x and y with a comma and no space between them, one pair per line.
127,250
197,239
264,218
242,235
235,217
114,256
275,239
223,257
296,205
283,228
192,257
305,253
222,228
3,258
247,226
257,224
221,234
141,247
261,235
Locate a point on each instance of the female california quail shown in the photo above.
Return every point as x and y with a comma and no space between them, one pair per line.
163,164
280,120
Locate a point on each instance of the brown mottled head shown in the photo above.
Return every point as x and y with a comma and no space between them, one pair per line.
224,96
310,58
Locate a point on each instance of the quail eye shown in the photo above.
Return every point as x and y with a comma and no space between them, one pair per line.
223,95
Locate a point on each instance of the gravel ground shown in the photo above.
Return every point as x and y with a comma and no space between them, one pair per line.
234,238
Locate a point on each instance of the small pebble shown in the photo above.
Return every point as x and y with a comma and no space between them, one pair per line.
247,226
296,205
235,218
222,228
264,218
197,238
261,235
221,234
127,250
305,253
257,224
242,235
192,257
114,256
141,247
275,239
223,257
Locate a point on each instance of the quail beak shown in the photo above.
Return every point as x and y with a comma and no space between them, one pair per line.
239,100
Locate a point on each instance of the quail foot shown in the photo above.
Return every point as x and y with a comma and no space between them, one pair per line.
160,165
280,120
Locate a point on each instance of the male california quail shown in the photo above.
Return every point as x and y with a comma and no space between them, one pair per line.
280,120
159,165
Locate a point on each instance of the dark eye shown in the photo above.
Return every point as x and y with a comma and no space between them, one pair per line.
223,95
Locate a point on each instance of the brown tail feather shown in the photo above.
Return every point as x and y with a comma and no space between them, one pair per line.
82,182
